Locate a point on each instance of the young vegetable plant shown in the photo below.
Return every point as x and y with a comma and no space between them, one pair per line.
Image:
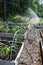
22,31
4,29
14,29
4,50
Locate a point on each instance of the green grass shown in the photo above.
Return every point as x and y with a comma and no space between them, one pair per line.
41,21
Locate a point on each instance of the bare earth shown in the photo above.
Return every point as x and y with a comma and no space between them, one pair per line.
31,54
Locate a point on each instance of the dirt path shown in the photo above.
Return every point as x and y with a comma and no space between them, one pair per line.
31,53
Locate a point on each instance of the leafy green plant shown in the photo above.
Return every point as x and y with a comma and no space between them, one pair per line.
7,50
14,29
5,29
4,51
22,31
15,43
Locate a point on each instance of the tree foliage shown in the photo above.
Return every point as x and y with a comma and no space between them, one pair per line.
13,6
19,7
37,7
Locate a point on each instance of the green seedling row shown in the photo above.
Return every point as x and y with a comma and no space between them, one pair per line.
12,30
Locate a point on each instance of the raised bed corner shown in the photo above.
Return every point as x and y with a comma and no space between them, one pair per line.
13,62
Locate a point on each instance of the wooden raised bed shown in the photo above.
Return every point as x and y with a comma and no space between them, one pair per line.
14,61
20,34
41,48
14,53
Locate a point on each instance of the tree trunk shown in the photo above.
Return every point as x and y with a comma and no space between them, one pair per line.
4,10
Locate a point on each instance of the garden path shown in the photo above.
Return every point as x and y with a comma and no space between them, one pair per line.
31,53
